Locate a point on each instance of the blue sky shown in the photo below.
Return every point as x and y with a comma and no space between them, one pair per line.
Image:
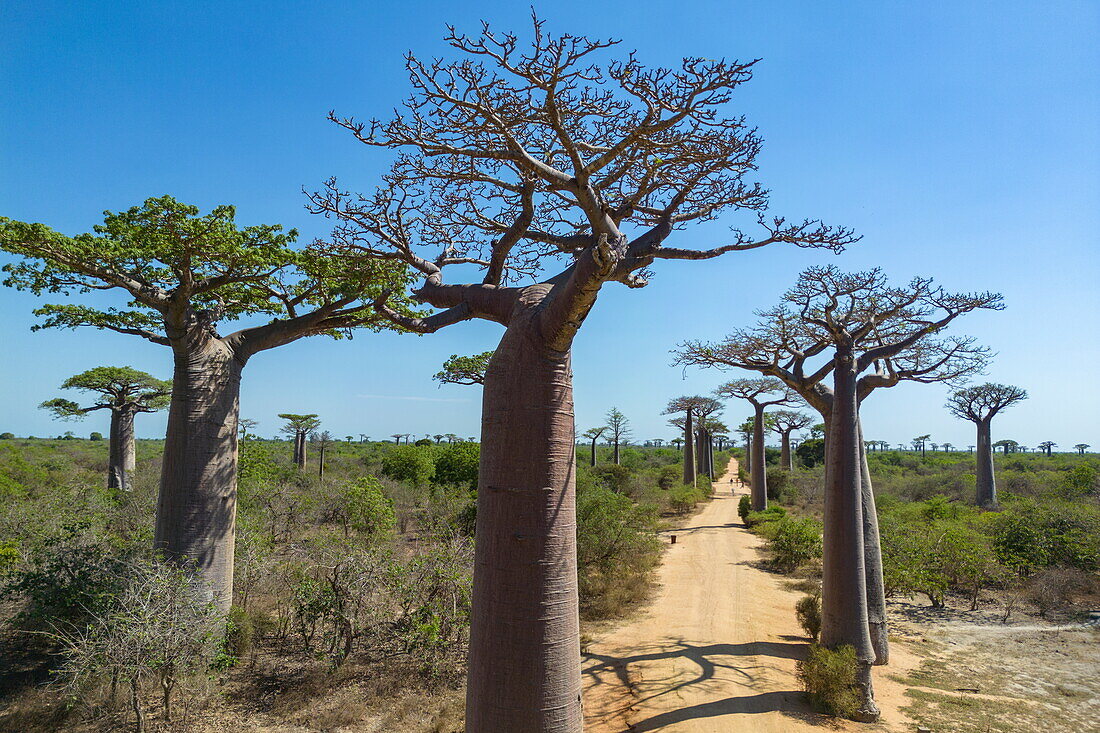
961,139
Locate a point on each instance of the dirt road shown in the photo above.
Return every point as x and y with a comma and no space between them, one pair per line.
716,650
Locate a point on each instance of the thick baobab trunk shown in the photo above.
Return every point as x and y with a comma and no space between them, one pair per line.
121,461
594,451
616,457
872,560
197,506
748,454
986,479
524,666
785,457
758,474
689,450
844,617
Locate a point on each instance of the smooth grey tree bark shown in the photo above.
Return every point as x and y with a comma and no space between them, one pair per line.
122,457
872,559
689,450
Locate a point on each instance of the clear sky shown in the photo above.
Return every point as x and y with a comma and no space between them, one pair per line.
961,139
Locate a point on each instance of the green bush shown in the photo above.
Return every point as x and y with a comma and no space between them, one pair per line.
779,483
683,498
7,436
829,676
808,612
795,542
771,514
414,464
457,464
95,436
744,506
368,510
616,478
670,477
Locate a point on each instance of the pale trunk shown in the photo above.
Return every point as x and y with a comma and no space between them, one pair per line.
844,618
121,460
986,480
689,450
785,458
758,475
197,506
872,560
524,665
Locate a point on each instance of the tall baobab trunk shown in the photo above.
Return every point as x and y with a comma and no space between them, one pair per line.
748,454
197,506
616,456
844,617
872,562
689,450
321,464
758,475
786,459
121,460
986,479
524,666
594,449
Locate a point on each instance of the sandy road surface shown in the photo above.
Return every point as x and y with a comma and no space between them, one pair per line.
716,650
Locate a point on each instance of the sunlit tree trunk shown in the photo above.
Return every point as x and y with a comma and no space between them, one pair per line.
844,616
197,506
524,666
786,459
689,450
121,453
872,558
986,479
758,476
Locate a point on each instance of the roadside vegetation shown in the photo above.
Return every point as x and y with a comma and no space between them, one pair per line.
362,575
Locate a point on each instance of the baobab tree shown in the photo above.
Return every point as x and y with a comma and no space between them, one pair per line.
517,158
1047,446
618,430
180,275
1007,446
677,442
693,408
786,422
464,369
1081,448
980,404
323,440
919,442
593,434
866,335
245,427
947,447
761,393
299,426
124,391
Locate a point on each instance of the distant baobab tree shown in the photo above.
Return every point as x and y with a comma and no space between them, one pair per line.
693,408
299,426
451,437
246,426
618,429
181,275
761,393
677,442
1007,446
877,335
658,442
323,440
125,392
980,404
1047,446
947,447
464,369
919,443
506,162
786,422
1081,448
593,434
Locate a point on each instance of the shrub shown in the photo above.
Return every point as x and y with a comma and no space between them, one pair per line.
669,477
744,506
771,514
368,510
794,542
779,483
616,478
411,463
7,436
95,436
684,498
808,612
829,676
457,464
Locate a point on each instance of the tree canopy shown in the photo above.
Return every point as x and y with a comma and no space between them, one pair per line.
983,401
464,369
115,388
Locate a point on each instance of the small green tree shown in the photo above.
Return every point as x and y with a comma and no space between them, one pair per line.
299,426
368,510
124,391
414,464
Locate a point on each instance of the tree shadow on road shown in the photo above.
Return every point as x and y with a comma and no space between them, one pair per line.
708,658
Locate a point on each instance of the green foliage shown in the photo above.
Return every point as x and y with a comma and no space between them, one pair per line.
808,612
69,577
779,483
457,464
829,676
811,452
95,436
683,498
795,542
414,464
773,513
617,478
7,436
617,548
744,506
464,369
237,640
367,509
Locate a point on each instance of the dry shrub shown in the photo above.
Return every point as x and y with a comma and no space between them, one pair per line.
829,676
808,611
